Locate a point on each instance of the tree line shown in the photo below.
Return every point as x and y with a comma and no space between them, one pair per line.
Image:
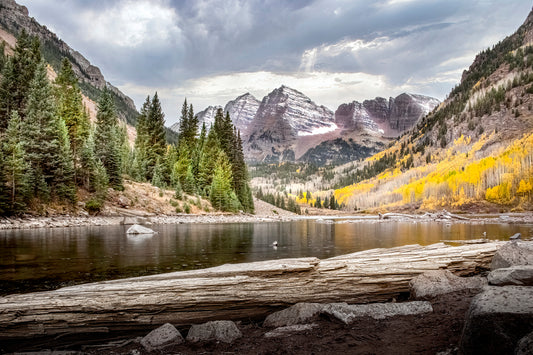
49,149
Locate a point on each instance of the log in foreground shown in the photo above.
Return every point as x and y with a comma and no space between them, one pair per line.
233,291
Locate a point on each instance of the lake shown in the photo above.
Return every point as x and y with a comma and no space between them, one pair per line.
43,259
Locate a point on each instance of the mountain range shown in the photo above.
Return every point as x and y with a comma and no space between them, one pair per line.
288,126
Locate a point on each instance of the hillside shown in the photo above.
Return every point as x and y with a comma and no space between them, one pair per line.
475,151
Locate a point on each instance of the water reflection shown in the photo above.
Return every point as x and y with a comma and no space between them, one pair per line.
49,258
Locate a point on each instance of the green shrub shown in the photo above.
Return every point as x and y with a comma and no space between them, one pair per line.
94,205
187,208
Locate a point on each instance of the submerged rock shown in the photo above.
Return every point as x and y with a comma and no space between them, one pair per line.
223,330
162,337
138,229
438,282
525,345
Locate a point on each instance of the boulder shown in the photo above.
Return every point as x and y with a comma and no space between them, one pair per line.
297,314
138,229
437,282
497,319
287,331
521,275
348,313
223,330
513,253
525,345
162,337
302,313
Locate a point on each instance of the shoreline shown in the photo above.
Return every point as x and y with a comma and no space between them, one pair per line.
65,221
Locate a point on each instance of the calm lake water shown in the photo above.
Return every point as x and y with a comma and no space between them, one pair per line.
43,259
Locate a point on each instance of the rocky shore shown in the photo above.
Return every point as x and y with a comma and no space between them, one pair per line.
129,217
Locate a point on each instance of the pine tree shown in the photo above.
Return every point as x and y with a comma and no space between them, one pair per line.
155,132
15,165
222,196
17,76
4,193
71,111
46,144
3,57
107,146
184,122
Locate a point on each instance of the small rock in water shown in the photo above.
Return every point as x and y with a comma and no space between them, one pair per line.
516,236
138,229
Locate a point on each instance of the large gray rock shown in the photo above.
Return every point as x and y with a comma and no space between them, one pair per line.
497,319
221,330
525,345
348,313
138,229
512,254
283,332
162,337
301,313
297,314
437,282
521,275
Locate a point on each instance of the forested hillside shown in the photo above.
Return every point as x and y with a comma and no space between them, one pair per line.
474,151
51,154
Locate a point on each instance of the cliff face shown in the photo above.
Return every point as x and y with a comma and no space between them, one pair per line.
384,117
242,110
283,118
14,18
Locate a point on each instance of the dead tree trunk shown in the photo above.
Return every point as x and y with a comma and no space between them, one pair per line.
236,291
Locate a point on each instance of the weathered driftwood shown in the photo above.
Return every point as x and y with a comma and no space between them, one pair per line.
235,291
434,216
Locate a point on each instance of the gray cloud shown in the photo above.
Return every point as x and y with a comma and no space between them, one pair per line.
164,44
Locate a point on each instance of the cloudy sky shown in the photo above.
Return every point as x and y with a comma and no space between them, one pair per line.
212,51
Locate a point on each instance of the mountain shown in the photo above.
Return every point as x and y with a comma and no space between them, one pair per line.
474,152
14,18
242,110
283,119
379,116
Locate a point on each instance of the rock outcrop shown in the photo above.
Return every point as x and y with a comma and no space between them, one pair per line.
242,110
283,118
14,18
381,116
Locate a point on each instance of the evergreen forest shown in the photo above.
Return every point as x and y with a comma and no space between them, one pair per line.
50,150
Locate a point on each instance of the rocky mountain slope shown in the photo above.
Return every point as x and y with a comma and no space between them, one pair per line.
15,18
387,117
288,126
475,151
284,116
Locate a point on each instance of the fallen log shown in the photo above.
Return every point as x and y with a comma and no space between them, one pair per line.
233,291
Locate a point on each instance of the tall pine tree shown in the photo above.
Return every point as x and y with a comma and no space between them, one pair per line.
16,168
46,144
106,142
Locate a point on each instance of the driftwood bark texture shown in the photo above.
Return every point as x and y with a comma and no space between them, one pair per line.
235,291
